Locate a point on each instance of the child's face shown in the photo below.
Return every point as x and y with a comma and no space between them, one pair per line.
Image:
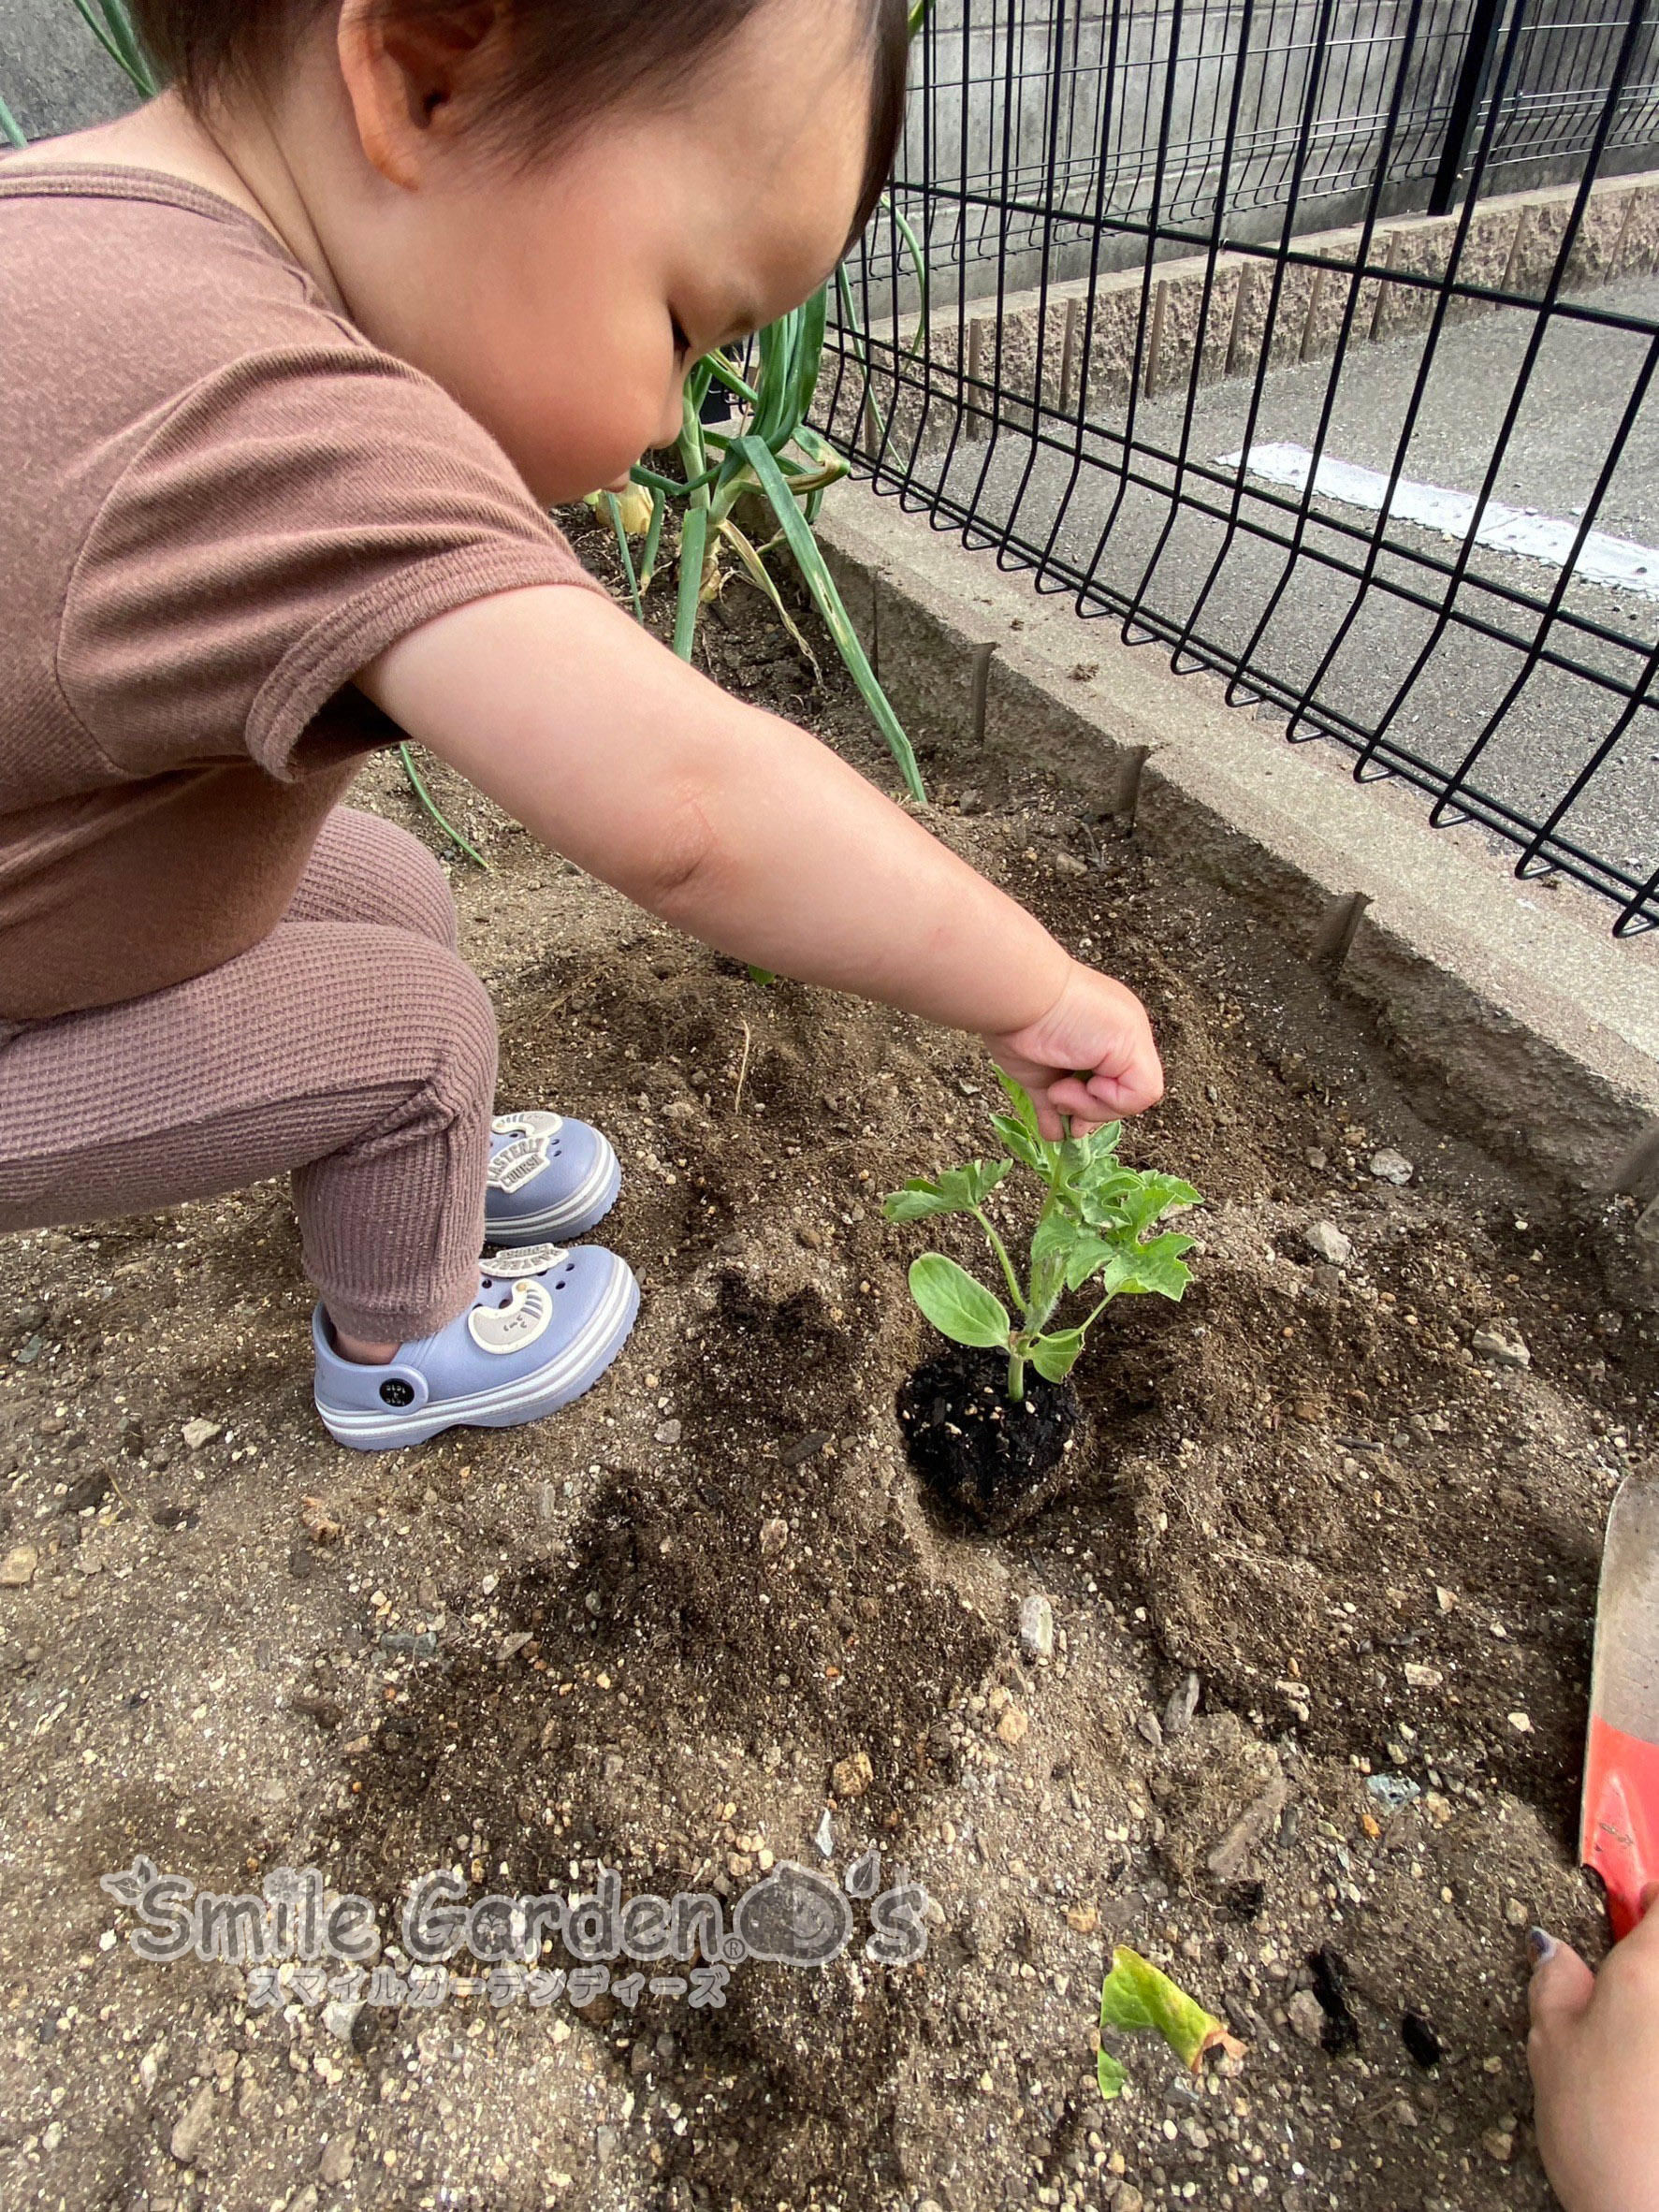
563,306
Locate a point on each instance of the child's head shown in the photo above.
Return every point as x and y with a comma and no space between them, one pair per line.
554,206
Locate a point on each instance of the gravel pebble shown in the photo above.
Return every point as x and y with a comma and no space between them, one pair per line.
1036,1626
1503,1351
1326,1242
1307,2016
193,2126
338,2154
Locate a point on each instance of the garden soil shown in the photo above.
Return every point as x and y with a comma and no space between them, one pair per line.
1320,1574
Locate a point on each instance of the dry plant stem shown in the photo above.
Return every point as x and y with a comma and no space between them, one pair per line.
742,1069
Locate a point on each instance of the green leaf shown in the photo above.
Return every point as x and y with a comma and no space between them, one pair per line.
1074,1156
647,560
1053,1237
1110,2075
814,315
915,1201
1104,1143
1022,1103
1031,1152
1131,1198
972,1186
1154,1198
614,508
1054,1357
1135,1995
693,544
1157,1267
821,584
958,1307
958,1191
1088,1256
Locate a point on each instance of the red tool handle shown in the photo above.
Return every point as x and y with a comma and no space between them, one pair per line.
1622,1819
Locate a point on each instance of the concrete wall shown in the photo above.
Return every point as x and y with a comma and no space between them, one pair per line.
1031,125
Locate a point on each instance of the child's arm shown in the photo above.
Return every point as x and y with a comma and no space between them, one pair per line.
750,835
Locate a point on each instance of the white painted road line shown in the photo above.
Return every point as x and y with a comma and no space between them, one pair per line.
1619,563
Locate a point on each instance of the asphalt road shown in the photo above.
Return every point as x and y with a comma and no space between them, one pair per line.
1572,406
53,76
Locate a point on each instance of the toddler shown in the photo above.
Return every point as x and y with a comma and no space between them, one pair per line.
296,357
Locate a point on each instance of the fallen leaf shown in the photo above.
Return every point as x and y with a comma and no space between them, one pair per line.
316,1517
1135,1995
1110,2075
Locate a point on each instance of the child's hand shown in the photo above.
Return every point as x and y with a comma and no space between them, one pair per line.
1090,1056
1594,2058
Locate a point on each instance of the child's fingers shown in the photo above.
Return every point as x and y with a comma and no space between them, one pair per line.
1132,1081
1140,1086
1562,1984
1071,1095
1080,1115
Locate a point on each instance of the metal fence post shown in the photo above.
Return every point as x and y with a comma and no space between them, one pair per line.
1484,25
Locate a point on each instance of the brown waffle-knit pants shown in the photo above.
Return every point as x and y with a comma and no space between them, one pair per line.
352,1047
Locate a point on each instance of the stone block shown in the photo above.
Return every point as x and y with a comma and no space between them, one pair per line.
1594,256
1485,258
1420,249
1638,247
1185,323
1537,245
1032,354
911,405
1258,297
1329,292
1116,341
1289,313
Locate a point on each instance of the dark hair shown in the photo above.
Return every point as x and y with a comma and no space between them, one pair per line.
571,59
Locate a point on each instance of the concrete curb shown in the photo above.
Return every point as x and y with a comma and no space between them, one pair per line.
1538,1033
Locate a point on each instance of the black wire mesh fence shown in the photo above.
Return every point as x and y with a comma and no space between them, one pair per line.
1312,340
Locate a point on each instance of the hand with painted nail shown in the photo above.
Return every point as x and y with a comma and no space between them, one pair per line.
1594,2058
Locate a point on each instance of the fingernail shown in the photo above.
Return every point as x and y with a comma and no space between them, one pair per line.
1542,1944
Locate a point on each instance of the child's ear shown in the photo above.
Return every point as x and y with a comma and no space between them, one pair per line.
406,74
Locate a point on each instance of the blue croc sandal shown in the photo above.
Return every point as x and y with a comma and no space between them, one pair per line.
544,1328
548,1176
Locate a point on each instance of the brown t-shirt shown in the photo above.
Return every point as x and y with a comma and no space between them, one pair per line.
218,501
